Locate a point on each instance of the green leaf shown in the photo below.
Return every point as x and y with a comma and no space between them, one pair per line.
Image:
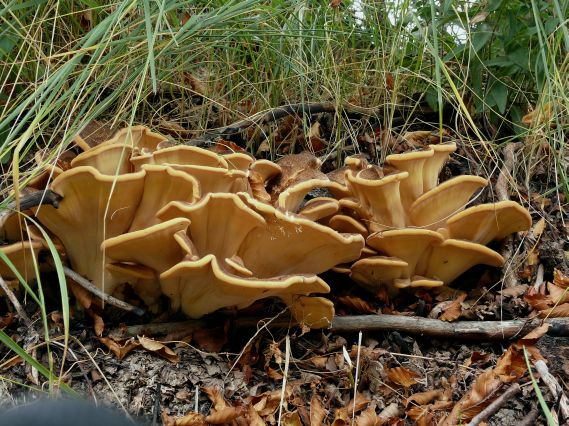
499,94
480,38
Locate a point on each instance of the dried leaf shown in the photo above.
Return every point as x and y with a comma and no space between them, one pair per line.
560,279
120,347
536,333
402,376
454,310
357,304
477,358
369,417
99,325
216,397
317,411
557,294
191,419
225,415
253,419
422,398
514,291
559,311
159,349
335,3
291,419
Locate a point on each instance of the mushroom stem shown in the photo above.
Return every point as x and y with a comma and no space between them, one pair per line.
87,285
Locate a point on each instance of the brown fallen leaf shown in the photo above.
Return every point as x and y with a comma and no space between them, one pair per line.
223,416
159,349
422,398
317,411
191,419
559,311
560,279
358,305
291,419
453,311
253,419
120,347
369,417
402,376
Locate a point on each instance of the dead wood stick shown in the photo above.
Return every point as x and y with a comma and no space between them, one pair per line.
554,387
277,113
35,199
496,405
21,313
86,284
471,330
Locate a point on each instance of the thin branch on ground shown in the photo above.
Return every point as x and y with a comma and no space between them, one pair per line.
554,387
14,300
496,405
87,285
463,330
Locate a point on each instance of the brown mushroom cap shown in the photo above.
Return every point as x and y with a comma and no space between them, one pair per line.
424,282
453,257
486,222
373,272
433,166
296,168
94,207
23,256
412,163
380,197
106,159
266,169
319,208
189,156
291,199
206,286
140,138
215,179
433,208
409,244
162,184
303,246
238,161
314,312
347,225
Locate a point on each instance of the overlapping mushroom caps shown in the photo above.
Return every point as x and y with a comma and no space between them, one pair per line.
417,231
189,223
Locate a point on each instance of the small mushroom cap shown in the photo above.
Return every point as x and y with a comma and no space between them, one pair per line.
23,255
106,159
347,225
140,138
409,244
424,282
238,161
162,184
94,207
189,156
433,166
433,208
291,199
314,312
380,197
206,286
453,257
44,178
131,272
266,169
154,247
215,179
296,168
320,208
486,222
412,163
373,272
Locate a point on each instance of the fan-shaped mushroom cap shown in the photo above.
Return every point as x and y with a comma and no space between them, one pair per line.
486,222
319,208
433,166
107,159
347,224
94,207
142,279
189,156
412,163
23,256
373,272
154,246
296,168
206,286
215,179
291,199
424,282
433,208
238,161
453,257
140,138
380,197
162,184
42,180
409,244
219,223
303,246
266,169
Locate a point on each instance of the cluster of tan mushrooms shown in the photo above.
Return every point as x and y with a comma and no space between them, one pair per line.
216,230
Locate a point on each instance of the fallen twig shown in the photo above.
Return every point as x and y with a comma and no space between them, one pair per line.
274,114
470,330
554,387
86,284
21,313
495,405
34,199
